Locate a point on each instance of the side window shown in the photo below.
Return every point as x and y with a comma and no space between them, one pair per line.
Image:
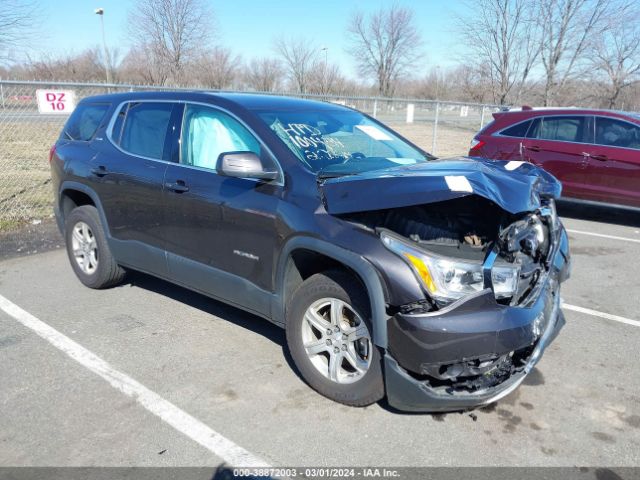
563,129
85,120
206,133
145,128
535,128
616,133
519,130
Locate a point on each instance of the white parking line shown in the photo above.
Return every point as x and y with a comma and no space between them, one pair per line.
168,412
602,235
596,313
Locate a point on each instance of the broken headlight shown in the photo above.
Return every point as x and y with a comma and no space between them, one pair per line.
447,279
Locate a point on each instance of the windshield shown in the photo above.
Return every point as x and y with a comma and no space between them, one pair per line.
340,142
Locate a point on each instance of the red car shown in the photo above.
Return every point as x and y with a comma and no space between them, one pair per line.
594,153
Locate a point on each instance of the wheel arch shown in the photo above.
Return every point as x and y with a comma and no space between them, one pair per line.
302,257
74,194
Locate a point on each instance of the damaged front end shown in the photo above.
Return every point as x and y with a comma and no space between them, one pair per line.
490,277
491,300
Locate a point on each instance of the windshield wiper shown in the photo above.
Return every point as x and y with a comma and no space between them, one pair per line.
325,175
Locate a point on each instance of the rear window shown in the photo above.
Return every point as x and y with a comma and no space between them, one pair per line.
144,128
84,121
518,130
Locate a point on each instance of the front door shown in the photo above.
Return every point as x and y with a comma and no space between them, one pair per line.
221,232
509,142
614,163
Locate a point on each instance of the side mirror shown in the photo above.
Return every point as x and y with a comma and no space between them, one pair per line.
243,165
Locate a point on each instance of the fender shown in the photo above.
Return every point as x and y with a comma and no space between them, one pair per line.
81,187
355,262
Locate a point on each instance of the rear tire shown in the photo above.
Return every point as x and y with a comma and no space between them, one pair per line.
329,337
88,250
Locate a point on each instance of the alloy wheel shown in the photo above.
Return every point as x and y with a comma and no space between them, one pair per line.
336,340
84,247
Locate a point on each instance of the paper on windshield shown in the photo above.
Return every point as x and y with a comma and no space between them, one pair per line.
374,132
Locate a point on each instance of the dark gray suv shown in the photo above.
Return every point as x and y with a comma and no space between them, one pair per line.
433,281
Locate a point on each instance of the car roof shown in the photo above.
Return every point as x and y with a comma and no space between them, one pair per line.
249,101
537,111
509,117
254,101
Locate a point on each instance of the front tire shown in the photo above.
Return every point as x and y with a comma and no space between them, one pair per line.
88,250
329,337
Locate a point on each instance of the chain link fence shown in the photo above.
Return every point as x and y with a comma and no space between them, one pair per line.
444,128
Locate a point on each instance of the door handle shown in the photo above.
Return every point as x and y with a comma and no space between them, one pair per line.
100,171
178,187
601,158
533,148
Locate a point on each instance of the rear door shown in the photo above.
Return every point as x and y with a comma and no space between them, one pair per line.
613,172
508,143
221,232
77,144
128,173
558,144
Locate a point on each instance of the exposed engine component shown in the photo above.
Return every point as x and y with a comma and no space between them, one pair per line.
466,228
528,235
470,221
527,243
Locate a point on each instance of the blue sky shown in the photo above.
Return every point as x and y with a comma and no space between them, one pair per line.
249,26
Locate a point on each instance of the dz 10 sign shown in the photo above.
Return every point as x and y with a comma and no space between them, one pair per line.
56,101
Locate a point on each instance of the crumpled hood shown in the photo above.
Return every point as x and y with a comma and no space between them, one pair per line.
514,186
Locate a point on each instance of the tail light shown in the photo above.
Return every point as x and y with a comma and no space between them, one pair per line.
475,146
52,152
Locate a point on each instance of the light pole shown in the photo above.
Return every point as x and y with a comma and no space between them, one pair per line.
435,120
324,70
100,12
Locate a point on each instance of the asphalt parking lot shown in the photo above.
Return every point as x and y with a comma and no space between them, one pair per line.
225,370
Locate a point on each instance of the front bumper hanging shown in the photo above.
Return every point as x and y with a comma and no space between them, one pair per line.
466,334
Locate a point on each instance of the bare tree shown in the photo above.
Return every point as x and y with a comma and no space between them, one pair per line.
472,82
111,63
616,54
299,57
86,66
436,84
17,26
568,29
170,34
217,68
139,67
503,35
384,45
325,77
264,74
